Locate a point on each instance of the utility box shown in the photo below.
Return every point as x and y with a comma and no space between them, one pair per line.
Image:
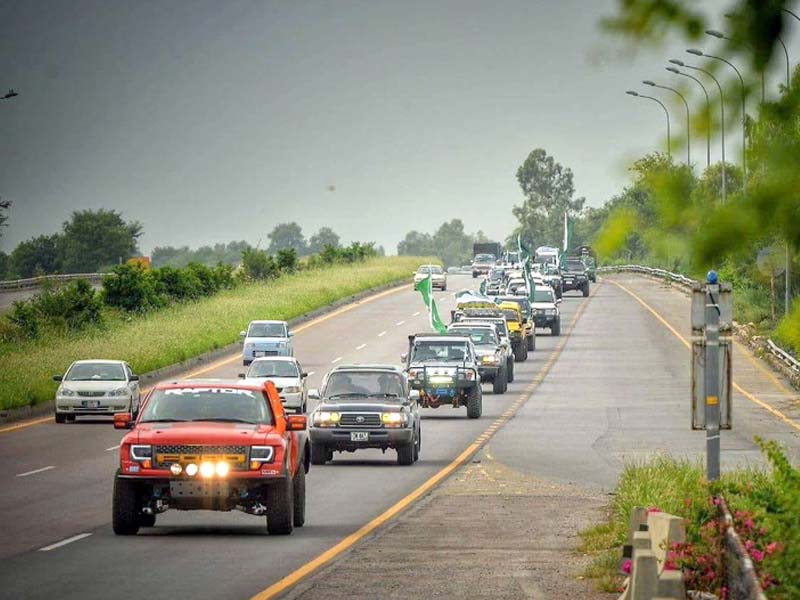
699,384
725,303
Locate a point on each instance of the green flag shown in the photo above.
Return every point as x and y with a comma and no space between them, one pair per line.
426,290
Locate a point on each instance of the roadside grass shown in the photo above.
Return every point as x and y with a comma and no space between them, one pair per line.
183,330
764,498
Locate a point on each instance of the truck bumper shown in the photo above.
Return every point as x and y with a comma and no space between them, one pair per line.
339,438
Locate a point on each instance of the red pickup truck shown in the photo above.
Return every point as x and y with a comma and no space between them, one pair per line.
211,445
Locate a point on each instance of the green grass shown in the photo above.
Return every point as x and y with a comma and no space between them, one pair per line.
182,331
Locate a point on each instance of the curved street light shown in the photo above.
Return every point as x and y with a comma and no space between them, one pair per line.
708,110
666,112
722,110
744,108
688,117
721,36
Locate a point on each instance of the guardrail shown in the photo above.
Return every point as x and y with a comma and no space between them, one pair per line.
771,347
35,282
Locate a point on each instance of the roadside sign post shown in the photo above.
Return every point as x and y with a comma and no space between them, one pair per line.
712,323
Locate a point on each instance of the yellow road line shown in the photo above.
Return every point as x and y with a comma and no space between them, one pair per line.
774,411
296,576
230,359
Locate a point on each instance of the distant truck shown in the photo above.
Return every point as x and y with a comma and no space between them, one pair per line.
484,257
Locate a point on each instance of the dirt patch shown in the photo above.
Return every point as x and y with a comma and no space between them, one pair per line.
487,532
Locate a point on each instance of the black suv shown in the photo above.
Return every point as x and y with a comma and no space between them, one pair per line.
575,277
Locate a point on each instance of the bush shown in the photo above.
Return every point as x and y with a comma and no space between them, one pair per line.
207,282
24,317
131,288
178,284
287,260
258,265
788,330
224,277
68,308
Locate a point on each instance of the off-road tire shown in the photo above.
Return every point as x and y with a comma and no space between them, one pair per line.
299,496
510,370
405,454
524,352
518,352
124,512
475,403
319,454
61,417
556,328
500,384
280,507
585,289
147,520
532,343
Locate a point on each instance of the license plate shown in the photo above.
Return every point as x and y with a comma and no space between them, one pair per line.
196,489
359,436
91,403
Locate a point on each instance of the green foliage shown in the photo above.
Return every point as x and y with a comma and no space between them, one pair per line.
257,265
153,339
178,284
132,288
24,318
549,192
5,266
323,238
36,256
787,332
68,308
229,254
450,243
287,235
95,239
286,260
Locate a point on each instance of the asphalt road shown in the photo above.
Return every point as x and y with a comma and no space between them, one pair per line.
57,482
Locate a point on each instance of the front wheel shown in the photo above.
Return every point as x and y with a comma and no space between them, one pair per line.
510,370
124,512
280,507
499,384
532,343
61,417
299,495
405,454
475,403
319,454
556,328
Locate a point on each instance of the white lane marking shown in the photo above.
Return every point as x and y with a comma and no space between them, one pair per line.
69,540
416,314
361,346
335,360
381,334
42,470
399,323
113,448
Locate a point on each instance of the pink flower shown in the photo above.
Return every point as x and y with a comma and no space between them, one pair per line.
772,548
757,555
717,501
626,566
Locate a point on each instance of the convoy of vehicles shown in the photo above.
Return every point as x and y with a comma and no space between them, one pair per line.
96,387
266,338
211,445
287,375
365,406
436,273
444,369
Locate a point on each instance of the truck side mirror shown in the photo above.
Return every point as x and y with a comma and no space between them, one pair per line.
134,378
242,334
404,356
58,378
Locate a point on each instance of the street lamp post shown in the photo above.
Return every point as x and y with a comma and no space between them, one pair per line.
708,110
688,118
744,108
666,112
721,36
722,110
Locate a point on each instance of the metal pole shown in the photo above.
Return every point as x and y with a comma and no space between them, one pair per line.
713,392
722,128
787,271
666,112
688,119
708,111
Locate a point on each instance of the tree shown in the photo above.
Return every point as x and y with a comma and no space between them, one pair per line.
287,235
416,244
257,264
324,237
37,256
451,244
5,266
549,193
95,239
4,206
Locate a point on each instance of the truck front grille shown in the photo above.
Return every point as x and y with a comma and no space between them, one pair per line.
360,420
235,456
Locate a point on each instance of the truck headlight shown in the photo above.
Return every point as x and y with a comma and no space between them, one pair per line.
260,455
490,359
292,389
326,418
141,453
394,419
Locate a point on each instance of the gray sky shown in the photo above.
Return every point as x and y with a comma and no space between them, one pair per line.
212,121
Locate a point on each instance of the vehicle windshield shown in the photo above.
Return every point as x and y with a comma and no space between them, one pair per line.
484,258
363,384
575,266
95,372
227,405
435,269
267,330
451,351
511,315
543,295
521,300
500,324
273,368
480,336
495,275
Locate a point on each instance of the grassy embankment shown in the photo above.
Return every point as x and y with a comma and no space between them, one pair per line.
184,330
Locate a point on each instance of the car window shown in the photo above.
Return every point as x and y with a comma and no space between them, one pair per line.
273,368
543,295
267,330
432,269
95,372
479,335
440,351
207,404
364,384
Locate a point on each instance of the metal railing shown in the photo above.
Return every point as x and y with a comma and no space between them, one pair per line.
14,285
771,347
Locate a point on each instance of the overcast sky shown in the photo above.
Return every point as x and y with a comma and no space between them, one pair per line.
213,121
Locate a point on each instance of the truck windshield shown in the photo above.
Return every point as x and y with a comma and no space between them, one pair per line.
439,351
484,258
575,266
480,336
267,330
543,295
363,384
227,405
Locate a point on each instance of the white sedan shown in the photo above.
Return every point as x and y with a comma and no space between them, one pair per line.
96,387
287,375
